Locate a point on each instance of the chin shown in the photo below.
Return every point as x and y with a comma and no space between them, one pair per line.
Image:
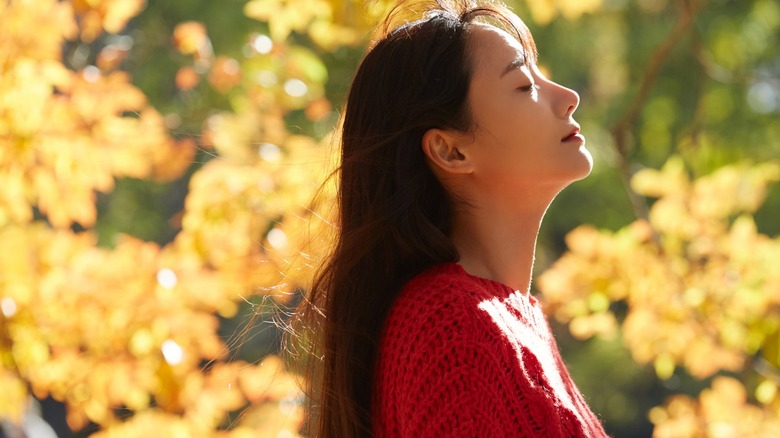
579,167
587,163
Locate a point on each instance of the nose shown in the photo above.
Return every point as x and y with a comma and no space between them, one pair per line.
567,101
570,101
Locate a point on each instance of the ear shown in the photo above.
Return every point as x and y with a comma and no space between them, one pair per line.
444,149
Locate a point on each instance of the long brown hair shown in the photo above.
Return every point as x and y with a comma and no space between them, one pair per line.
393,215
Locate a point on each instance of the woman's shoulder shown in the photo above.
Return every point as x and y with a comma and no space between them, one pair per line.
436,323
449,282
443,297
443,367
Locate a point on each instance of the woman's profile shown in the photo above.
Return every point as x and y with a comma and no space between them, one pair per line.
453,145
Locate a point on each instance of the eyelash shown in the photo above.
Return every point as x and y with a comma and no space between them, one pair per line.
529,88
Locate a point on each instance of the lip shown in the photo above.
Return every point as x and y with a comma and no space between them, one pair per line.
574,136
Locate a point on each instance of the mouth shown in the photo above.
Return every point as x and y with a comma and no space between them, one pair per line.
574,136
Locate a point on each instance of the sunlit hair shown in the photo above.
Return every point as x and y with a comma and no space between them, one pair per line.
393,215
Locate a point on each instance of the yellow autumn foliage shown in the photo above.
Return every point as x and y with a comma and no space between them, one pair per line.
66,134
698,280
329,23
147,324
719,411
132,328
544,11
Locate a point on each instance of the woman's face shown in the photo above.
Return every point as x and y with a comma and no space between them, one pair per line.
525,140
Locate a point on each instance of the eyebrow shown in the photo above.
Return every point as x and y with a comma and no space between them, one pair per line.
516,63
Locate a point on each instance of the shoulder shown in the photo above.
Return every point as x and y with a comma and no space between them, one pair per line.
443,286
437,324
443,299
441,363
464,356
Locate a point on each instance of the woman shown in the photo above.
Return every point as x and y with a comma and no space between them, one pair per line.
453,146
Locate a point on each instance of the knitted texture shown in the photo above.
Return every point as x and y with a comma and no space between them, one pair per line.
464,356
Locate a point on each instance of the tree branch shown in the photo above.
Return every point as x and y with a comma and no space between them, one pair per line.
620,132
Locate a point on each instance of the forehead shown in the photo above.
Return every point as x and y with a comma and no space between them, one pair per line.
492,49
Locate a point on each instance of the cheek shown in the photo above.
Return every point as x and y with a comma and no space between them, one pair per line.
506,164
517,125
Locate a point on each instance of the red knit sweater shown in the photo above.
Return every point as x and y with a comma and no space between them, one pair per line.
463,356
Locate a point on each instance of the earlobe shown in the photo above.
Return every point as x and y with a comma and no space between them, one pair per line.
444,150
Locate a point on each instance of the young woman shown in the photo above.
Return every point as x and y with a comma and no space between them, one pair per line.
453,146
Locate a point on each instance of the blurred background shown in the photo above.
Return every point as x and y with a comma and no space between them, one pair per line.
157,160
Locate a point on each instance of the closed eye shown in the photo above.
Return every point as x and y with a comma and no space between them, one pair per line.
529,88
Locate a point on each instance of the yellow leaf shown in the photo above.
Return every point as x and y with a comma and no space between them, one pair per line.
225,74
119,12
664,366
190,38
14,398
187,78
671,179
544,11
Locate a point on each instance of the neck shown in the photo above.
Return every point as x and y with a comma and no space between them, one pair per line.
498,244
